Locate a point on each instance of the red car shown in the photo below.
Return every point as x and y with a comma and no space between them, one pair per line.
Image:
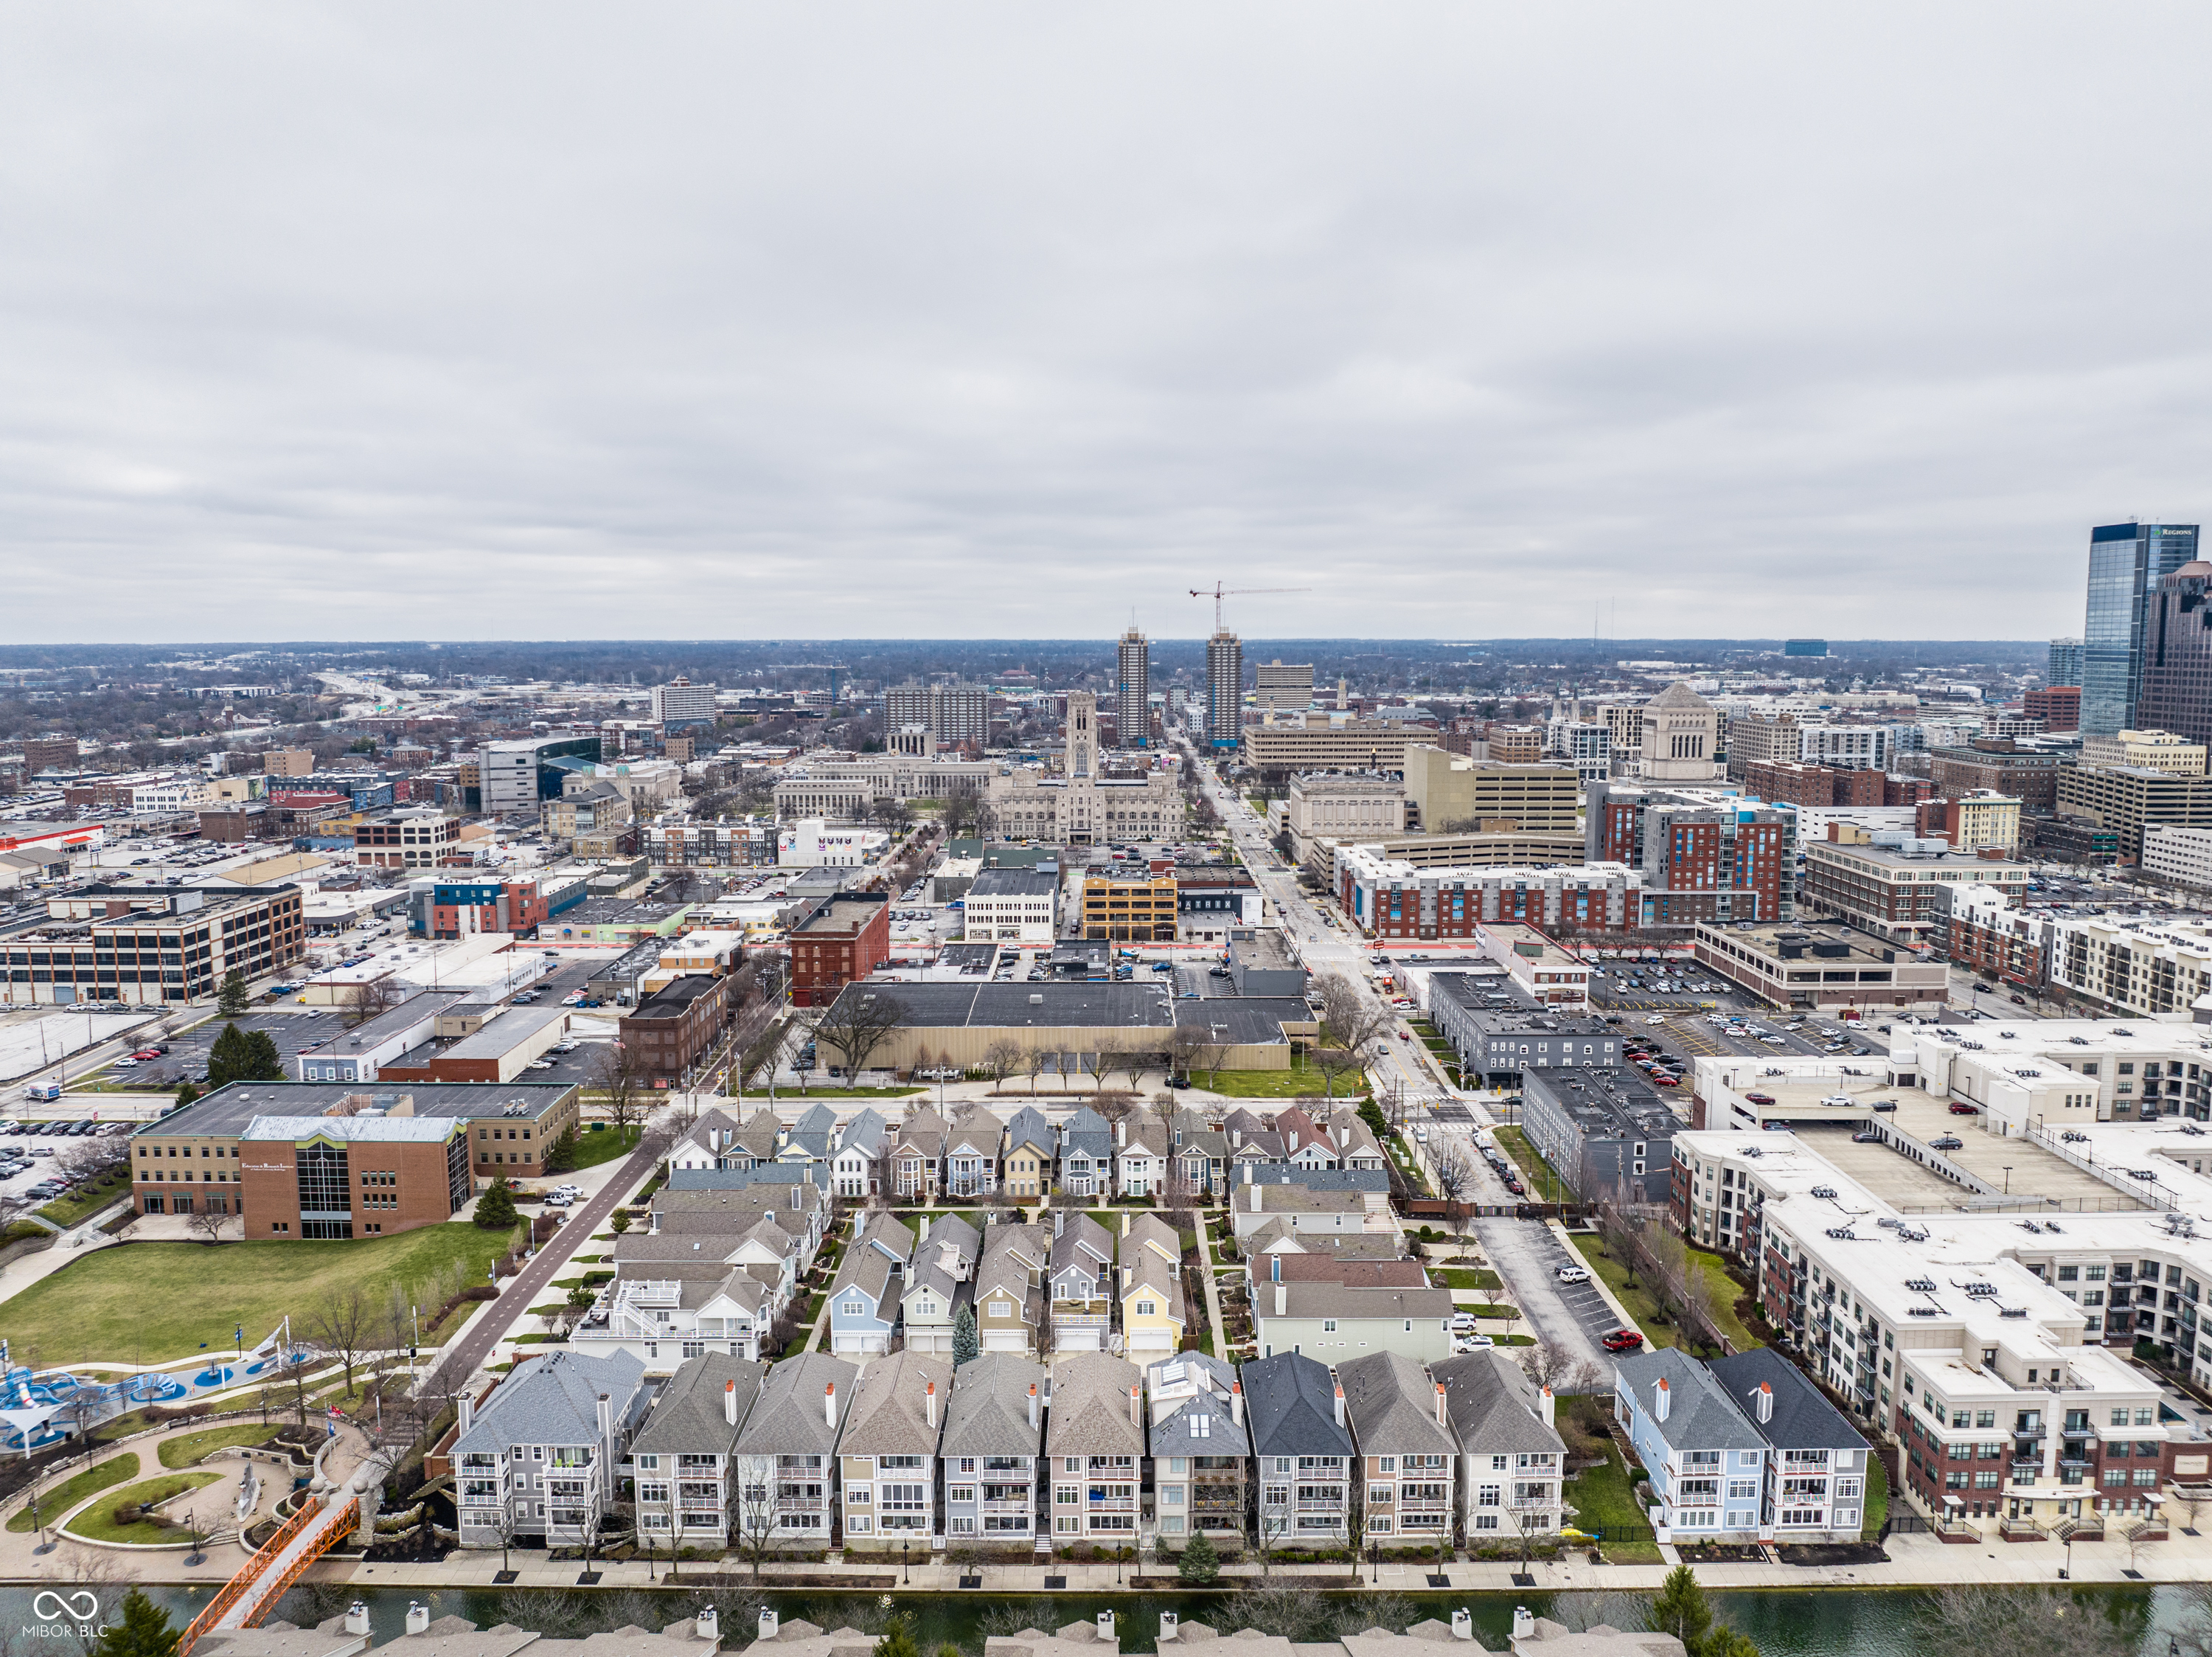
1760,1098
1966,1110
147,1052
1622,1340
1665,1081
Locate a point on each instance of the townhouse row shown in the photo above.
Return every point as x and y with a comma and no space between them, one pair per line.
905,1450
925,1156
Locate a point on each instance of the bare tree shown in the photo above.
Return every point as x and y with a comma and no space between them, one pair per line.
622,1075
1334,1061
858,1025
367,1000
1350,1014
207,1224
754,1517
1001,1059
1970,1620
1183,1045
343,1323
1454,1166
1131,1056
1032,1063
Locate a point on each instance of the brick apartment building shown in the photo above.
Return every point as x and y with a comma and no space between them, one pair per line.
1997,765
1896,790
675,1026
843,938
1791,783
152,944
1999,939
2059,706
404,840
497,905
1703,857
50,753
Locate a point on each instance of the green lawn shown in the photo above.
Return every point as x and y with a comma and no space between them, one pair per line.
1481,1279
183,1452
1604,1501
97,1523
101,1475
152,1302
1489,1309
86,1200
1301,1081
607,1145
1877,1498
1644,1308
1543,1180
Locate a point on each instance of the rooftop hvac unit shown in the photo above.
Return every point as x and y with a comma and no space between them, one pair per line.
1907,1234
1842,1234
2012,1312
1920,1311
1981,1288
1824,1190
1921,1285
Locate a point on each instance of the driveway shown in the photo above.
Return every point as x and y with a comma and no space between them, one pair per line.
1568,1317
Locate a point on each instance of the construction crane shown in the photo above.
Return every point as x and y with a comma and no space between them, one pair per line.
1220,593
835,670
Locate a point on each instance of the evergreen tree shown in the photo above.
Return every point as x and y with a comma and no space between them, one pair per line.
263,1063
1724,1641
965,1343
230,1001
1199,1565
561,1159
1680,1609
145,1631
227,1058
186,1093
898,1641
496,1207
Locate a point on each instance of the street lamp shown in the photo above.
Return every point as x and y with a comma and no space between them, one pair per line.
905,1577
2008,1183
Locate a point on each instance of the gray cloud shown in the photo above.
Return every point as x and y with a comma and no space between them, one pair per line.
555,320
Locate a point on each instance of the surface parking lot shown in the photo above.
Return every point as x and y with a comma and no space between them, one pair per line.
187,1057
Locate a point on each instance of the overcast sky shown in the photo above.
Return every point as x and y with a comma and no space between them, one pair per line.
542,321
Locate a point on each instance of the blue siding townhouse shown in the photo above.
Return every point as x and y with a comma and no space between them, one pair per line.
1086,1154
1706,1459
864,1302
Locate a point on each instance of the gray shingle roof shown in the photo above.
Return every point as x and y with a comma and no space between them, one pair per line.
1220,1434
890,1410
1028,1126
990,1412
788,1418
1091,1413
554,1400
1701,1416
1392,1405
1493,1406
1290,1403
1329,1181
1083,1242
1802,1419
688,1416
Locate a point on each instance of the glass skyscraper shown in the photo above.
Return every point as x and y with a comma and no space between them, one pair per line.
1225,689
2126,563
1132,701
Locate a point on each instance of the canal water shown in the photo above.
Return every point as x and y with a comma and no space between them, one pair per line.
1807,1623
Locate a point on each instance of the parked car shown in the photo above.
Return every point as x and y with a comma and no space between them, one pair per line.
1867,1136
1960,1109
1622,1340
1759,1099
1949,1141
1573,1274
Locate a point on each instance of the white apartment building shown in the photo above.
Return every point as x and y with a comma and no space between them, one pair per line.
1588,745
2150,968
2156,750
811,843
1845,748
2183,855
1977,1339
680,702
170,796
540,1459
1013,906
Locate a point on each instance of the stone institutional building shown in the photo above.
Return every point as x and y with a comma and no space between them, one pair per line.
1080,806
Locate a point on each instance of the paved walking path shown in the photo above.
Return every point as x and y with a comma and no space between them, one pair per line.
1212,1291
468,1351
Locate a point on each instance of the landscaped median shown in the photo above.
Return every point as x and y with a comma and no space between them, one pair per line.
100,1522
1643,1306
101,1475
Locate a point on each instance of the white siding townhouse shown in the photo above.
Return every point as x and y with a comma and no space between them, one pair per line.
786,1451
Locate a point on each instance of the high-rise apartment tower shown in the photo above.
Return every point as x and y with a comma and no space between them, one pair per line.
2065,662
1133,705
1224,689
2127,562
